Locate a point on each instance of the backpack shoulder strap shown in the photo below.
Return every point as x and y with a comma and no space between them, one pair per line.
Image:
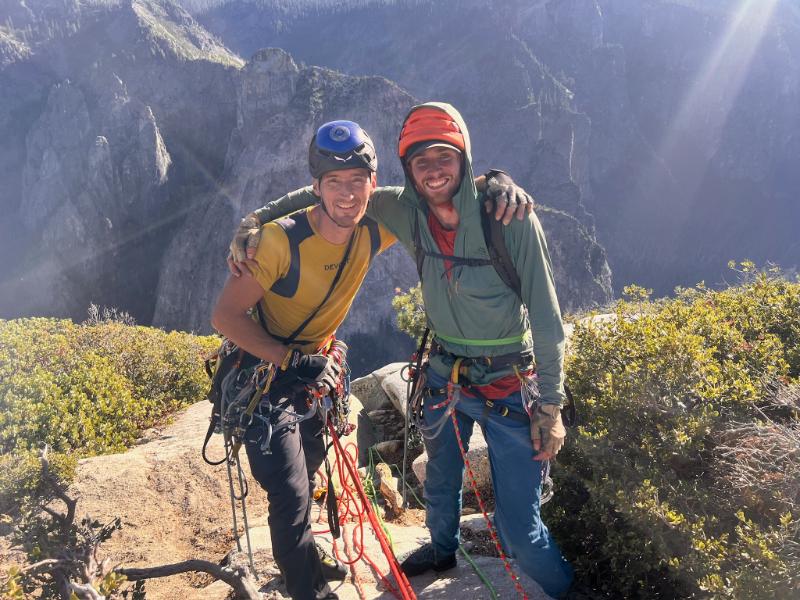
419,251
297,229
374,235
498,251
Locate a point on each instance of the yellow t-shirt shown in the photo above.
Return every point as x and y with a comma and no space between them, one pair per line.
296,266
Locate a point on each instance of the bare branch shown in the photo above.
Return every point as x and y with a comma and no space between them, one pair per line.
69,518
86,591
50,563
54,513
241,584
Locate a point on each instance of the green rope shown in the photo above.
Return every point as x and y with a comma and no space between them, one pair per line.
481,575
374,500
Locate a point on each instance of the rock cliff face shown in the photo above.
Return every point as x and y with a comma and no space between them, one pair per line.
117,113
674,123
134,141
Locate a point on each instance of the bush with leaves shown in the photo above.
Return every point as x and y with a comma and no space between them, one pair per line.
87,389
678,398
683,478
410,312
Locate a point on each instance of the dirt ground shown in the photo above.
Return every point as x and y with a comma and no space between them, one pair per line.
194,522
175,507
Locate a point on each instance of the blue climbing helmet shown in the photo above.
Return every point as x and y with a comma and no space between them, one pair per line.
341,145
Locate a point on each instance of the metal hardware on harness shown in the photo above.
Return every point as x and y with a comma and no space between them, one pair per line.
236,415
414,389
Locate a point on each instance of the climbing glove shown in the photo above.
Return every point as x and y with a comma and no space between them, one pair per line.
509,198
547,429
316,369
246,238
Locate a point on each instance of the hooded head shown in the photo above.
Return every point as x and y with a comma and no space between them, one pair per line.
434,148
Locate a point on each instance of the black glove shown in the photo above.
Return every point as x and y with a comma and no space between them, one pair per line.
509,198
316,369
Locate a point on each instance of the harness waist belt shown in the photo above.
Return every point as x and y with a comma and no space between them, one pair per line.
495,363
517,339
488,405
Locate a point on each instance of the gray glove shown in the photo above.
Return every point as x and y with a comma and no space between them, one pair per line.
246,238
318,370
509,198
547,430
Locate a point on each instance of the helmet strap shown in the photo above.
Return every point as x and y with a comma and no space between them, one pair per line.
327,214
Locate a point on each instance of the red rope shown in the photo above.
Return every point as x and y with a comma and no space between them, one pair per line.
345,463
353,506
474,484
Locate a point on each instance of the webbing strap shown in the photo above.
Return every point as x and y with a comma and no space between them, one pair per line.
498,251
458,260
470,342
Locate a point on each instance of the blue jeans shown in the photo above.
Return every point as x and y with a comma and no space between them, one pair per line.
516,479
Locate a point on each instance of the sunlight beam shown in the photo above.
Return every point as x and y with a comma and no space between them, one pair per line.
711,97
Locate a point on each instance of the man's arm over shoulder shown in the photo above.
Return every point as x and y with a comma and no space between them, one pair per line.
528,248
382,204
231,313
386,208
286,205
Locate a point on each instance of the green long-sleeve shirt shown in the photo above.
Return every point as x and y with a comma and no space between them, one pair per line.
473,313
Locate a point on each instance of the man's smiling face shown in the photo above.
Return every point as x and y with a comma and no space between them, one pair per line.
345,194
436,173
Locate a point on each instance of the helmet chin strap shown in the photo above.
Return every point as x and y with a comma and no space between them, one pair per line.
327,214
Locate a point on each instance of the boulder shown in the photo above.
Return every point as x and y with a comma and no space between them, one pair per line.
368,389
478,456
396,388
388,423
388,487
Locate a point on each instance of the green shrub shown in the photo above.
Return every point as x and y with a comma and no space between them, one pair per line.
410,312
683,479
21,476
91,388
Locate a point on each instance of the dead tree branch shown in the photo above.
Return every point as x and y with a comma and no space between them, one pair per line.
238,580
